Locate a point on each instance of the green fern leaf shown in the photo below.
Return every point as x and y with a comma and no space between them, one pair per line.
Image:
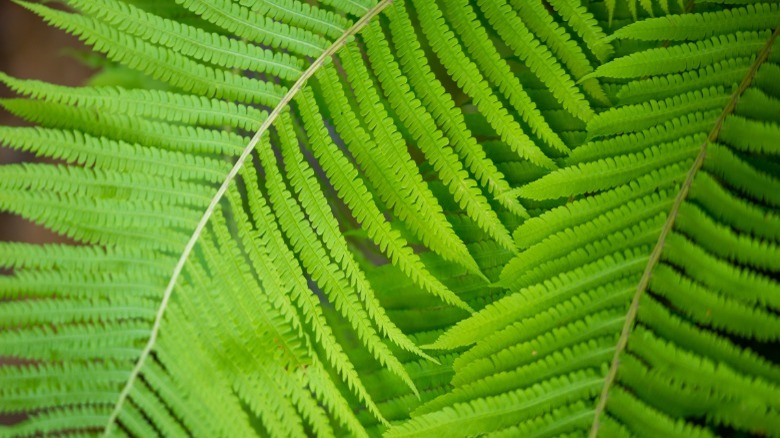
641,278
401,218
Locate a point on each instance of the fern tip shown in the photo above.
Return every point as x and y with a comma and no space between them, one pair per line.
591,75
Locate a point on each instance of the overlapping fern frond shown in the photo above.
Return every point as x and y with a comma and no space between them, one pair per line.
408,217
648,303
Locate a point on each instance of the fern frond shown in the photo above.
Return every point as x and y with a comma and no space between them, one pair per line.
162,63
684,27
688,56
431,141
314,257
355,194
443,42
96,183
468,418
441,106
79,148
538,57
612,172
303,15
633,118
190,41
725,72
401,188
288,268
641,281
584,23
172,137
497,72
315,205
401,218
571,56
152,104
250,25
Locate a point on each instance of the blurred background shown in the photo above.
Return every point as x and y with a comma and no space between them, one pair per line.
30,49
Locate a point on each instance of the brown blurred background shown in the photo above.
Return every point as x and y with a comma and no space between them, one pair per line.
31,49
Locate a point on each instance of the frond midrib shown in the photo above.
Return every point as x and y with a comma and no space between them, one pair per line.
655,255
272,116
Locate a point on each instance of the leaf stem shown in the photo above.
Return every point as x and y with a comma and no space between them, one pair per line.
655,256
286,99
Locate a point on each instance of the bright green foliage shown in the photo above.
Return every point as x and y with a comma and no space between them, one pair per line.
409,218
656,270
